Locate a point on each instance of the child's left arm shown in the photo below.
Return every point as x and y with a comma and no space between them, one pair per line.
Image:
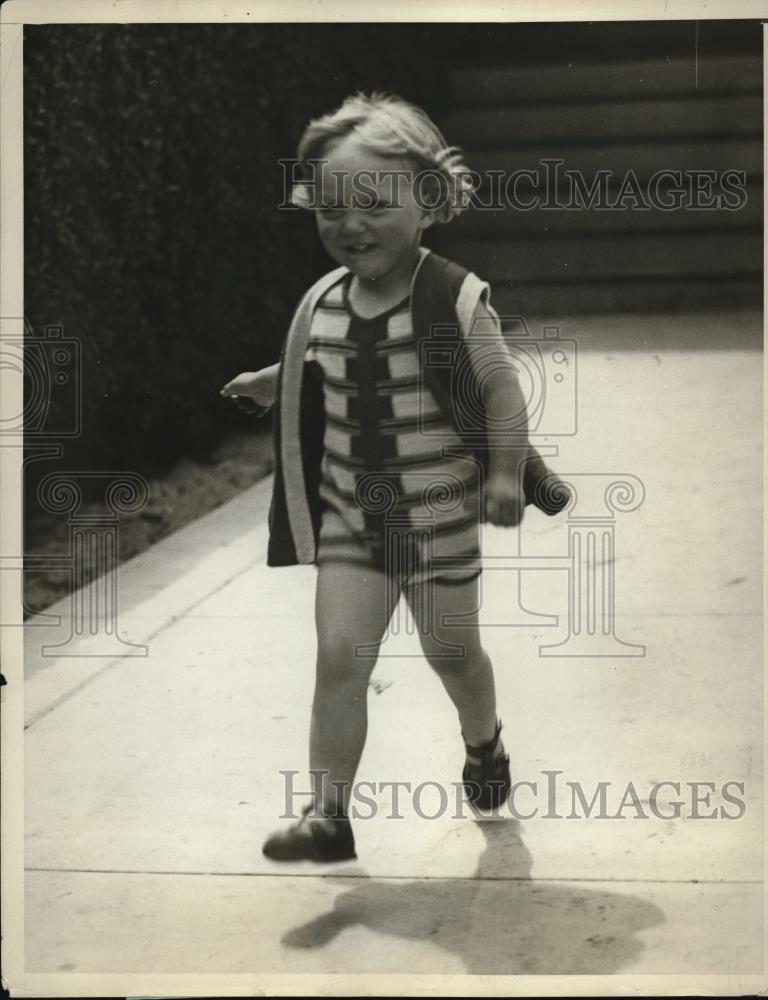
507,418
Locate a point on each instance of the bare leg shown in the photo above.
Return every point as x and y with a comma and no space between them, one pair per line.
467,676
353,607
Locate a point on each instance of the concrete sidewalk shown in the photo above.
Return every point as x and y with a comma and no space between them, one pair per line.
152,781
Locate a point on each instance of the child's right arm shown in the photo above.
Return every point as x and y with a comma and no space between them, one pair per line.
260,386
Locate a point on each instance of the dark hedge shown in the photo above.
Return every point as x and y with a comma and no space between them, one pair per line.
152,233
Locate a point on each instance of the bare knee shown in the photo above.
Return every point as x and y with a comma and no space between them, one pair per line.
452,651
343,660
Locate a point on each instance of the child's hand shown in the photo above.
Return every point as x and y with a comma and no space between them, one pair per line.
257,386
504,500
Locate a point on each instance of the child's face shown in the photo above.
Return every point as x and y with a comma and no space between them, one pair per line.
373,242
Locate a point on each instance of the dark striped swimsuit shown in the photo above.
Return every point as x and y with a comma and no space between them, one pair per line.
392,498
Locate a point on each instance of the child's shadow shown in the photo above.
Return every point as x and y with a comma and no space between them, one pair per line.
498,920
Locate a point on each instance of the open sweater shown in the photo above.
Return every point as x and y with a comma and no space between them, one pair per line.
443,299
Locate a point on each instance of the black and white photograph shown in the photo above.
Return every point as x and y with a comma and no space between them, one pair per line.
382,524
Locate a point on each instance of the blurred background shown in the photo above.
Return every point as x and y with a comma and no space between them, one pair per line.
153,237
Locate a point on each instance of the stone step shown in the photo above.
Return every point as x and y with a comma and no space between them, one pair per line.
640,115
665,77
547,301
599,120
483,222
644,157
608,257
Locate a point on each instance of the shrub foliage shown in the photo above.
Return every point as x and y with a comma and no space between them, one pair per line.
152,229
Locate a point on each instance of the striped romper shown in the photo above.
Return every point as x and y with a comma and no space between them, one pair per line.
391,497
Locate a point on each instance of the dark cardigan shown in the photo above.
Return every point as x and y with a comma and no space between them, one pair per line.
442,352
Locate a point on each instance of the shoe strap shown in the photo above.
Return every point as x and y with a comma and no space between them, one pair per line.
484,749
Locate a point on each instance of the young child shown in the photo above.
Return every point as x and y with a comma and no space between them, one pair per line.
377,481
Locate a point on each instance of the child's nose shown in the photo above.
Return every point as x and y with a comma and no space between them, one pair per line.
353,223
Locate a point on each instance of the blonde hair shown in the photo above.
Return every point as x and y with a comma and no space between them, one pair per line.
390,126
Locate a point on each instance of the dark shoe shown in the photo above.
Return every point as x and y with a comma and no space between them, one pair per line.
487,781
312,840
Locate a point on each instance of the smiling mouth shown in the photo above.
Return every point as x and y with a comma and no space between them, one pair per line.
359,248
